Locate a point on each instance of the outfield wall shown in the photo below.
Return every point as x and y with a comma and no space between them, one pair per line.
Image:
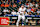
11,20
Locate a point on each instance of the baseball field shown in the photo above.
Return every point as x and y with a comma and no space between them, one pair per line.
16,26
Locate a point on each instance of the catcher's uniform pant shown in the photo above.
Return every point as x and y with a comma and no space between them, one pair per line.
19,18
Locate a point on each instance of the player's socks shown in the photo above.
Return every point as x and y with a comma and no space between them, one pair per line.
22,23
17,25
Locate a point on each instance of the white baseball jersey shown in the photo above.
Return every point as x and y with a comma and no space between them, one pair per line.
22,10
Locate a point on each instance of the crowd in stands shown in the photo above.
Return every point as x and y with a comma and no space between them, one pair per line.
12,6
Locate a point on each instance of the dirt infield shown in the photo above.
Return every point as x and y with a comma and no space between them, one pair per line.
19,26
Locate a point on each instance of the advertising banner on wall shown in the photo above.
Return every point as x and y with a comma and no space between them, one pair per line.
4,20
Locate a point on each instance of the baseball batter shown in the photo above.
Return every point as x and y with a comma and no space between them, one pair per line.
21,14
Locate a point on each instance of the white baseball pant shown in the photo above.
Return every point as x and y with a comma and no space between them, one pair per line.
19,18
